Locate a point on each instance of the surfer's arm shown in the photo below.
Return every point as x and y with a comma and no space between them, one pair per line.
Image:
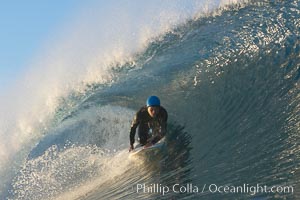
134,125
164,124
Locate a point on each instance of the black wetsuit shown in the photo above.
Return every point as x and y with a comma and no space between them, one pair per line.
145,122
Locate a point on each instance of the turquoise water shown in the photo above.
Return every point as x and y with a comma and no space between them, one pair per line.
230,82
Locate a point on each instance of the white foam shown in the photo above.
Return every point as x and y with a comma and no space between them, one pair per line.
84,52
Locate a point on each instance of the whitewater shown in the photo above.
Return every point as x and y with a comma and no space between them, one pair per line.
227,72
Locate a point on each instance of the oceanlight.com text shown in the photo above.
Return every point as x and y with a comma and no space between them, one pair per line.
212,188
249,189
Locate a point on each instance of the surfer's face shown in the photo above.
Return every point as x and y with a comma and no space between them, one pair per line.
153,111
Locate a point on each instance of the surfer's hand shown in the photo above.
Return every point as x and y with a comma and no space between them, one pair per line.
149,144
131,148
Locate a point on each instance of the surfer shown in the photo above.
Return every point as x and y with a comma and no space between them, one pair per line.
151,121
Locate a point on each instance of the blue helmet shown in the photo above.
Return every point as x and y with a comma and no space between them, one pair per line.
153,101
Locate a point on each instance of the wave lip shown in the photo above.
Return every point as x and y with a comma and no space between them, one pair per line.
85,53
236,84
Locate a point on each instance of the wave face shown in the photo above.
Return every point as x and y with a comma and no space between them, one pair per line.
230,82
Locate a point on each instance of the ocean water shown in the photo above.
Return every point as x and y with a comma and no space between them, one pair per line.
226,71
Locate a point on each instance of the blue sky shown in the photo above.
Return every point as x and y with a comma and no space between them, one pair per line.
25,26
